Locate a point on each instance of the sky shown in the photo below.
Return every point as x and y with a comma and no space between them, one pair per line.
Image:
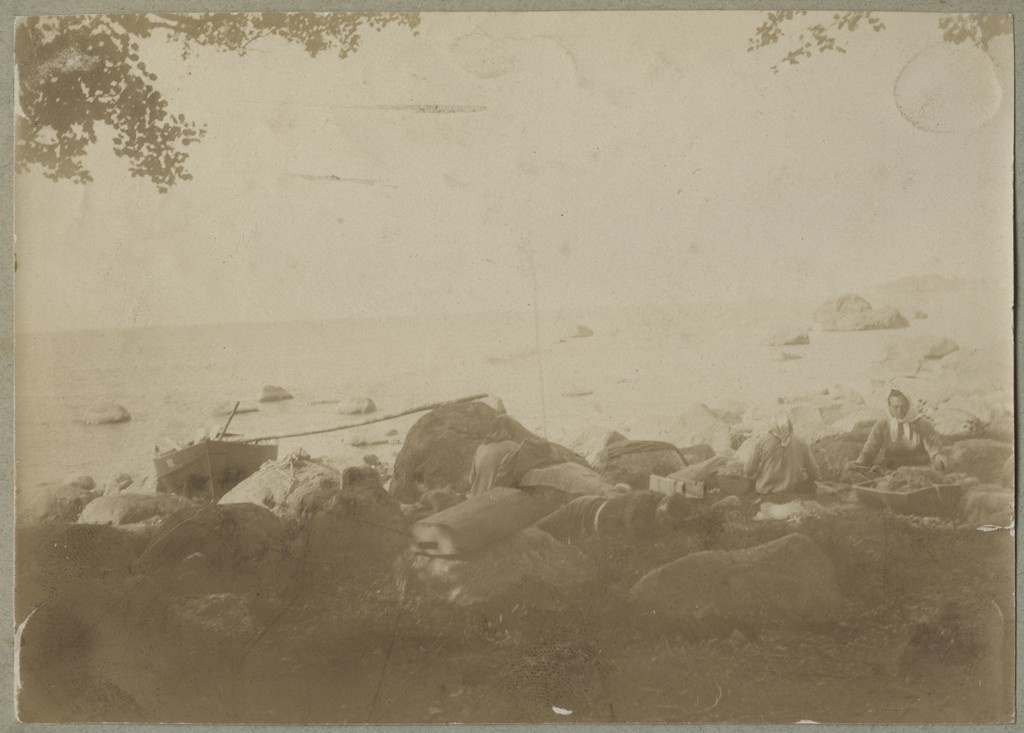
580,160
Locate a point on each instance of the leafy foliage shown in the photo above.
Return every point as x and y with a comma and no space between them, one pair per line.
818,37
77,72
977,28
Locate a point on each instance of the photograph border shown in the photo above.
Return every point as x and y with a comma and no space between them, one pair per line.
14,8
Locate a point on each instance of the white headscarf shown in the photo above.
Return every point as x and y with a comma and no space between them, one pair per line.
902,429
782,428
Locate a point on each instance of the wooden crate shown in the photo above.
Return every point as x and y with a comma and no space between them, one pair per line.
667,485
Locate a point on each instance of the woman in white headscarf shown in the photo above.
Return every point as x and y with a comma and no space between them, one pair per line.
902,439
781,462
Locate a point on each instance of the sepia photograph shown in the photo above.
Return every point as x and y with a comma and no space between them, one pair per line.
514,367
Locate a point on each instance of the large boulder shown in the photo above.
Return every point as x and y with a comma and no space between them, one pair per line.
788,579
592,440
909,353
807,417
121,509
853,313
954,424
225,548
1002,429
986,409
438,450
357,538
979,457
697,423
60,503
833,453
633,462
809,424
694,454
292,488
105,413
986,506
55,560
347,523
570,478
530,557
68,655
273,393
856,423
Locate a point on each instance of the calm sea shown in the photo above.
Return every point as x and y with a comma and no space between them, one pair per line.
171,380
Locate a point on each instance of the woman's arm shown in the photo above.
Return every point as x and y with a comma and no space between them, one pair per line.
810,465
932,441
874,443
754,461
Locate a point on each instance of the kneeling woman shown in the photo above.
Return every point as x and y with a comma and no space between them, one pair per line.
904,439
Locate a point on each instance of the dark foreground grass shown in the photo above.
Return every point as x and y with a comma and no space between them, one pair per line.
925,634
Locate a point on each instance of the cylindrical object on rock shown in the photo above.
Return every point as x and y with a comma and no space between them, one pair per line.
479,521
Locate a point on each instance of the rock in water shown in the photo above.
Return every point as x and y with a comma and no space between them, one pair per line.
359,406
790,338
788,579
272,393
119,509
981,458
853,313
438,450
105,413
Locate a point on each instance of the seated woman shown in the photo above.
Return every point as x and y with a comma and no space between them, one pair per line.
903,439
781,463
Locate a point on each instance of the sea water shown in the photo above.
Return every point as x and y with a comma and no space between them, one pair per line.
639,362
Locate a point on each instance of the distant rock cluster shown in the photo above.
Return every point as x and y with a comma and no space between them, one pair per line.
854,313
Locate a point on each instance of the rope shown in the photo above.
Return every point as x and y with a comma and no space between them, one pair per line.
382,418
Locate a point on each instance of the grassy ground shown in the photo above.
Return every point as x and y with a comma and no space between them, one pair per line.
925,635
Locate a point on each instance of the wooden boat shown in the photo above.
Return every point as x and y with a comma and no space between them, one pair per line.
210,468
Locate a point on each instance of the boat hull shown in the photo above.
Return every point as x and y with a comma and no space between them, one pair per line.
208,470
